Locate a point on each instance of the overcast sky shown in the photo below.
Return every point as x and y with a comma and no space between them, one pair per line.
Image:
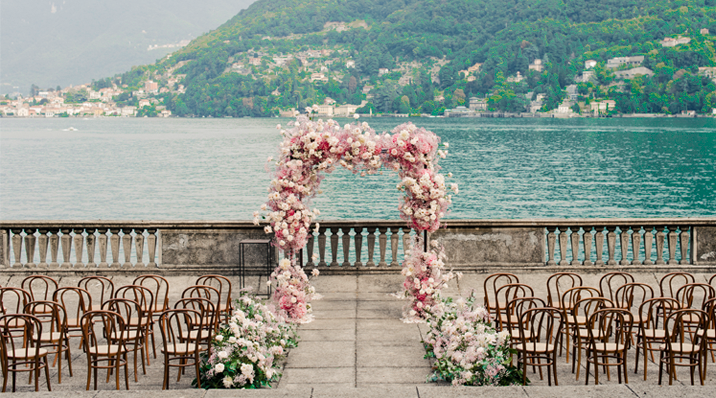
63,42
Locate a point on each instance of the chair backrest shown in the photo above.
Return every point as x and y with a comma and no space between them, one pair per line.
632,295
140,294
545,326
206,308
694,295
679,326
610,282
712,280
203,291
10,341
671,282
518,306
570,297
40,287
76,302
586,307
656,310
492,283
176,326
159,287
509,292
558,283
99,287
102,328
220,283
13,300
710,310
612,326
51,312
126,308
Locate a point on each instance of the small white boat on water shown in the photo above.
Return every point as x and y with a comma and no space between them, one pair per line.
70,129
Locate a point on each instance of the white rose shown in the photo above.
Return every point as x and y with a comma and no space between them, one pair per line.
219,368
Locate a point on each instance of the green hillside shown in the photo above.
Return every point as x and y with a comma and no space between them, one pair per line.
407,56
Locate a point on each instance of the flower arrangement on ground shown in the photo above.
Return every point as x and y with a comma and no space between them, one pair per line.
424,278
466,347
293,292
245,351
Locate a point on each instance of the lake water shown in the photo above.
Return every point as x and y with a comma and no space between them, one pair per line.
215,169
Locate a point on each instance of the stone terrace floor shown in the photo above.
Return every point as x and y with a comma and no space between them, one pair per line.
358,347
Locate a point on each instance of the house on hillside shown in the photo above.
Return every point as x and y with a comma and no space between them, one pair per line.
603,107
572,93
565,107
318,77
707,71
589,64
350,63
478,104
515,79
536,65
587,76
383,71
704,31
632,73
614,63
671,42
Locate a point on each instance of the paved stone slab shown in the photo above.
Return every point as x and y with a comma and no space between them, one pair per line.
380,309
323,375
348,313
430,391
675,391
328,335
389,283
607,391
336,284
310,354
328,324
375,392
193,393
410,355
386,375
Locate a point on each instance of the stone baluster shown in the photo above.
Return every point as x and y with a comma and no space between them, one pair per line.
346,246
587,244
660,237
152,246
66,241
672,245
563,246
42,242
684,244
358,242
574,237
599,245
334,247
30,247
114,244
394,245
371,246
611,245
648,241
636,245
624,244
54,247
309,250
139,246
551,241
127,246
383,243
322,247
103,247
91,242
406,240
79,246
17,247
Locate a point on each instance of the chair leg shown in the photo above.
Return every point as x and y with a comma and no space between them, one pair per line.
47,375
69,356
126,375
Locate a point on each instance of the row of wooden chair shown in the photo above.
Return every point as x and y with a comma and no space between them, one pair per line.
126,315
577,305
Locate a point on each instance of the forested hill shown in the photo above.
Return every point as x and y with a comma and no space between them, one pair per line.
421,56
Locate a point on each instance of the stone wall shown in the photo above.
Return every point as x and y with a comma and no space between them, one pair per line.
705,246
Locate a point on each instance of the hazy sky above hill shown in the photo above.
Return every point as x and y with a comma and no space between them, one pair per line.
63,42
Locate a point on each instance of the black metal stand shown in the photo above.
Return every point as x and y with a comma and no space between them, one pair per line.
242,266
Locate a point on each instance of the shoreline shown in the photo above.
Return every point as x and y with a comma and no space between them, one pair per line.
486,115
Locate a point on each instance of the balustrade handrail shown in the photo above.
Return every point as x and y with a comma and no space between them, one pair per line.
202,224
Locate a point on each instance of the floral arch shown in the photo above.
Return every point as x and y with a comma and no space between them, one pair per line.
312,148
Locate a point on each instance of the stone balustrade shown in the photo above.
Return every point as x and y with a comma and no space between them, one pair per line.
186,247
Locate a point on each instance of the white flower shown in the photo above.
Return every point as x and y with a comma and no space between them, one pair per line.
219,337
222,354
356,116
315,272
219,368
228,381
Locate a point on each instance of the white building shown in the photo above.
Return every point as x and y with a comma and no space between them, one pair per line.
589,64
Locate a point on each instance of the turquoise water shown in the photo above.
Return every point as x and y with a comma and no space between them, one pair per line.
194,169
